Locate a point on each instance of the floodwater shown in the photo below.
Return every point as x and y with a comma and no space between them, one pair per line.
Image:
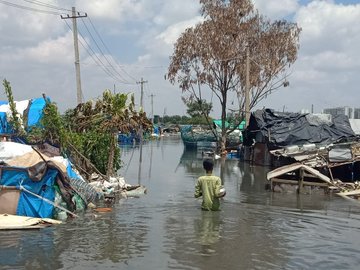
166,229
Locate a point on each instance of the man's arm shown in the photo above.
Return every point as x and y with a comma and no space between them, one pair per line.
198,189
217,187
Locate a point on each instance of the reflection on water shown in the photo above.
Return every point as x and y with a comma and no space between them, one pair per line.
22,248
207,228
166,229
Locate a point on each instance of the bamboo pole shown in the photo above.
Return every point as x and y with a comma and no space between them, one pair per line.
92,165
301,181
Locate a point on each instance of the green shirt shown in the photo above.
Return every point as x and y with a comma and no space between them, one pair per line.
208,187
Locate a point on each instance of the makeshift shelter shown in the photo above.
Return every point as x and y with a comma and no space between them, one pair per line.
310,151
269,130
29,110
33,184
284,129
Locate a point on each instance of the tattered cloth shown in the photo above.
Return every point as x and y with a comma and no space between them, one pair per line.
283,129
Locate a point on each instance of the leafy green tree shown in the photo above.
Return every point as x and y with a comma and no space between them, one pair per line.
110,115
198,108
232,52
14,120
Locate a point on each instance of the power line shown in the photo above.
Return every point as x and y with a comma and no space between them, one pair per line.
95,57
111,71
108,51
99,62
29,8
39,3
102,53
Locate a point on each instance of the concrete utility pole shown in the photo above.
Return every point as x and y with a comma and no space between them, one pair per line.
74,16
247,88
152,107
142,92
141,129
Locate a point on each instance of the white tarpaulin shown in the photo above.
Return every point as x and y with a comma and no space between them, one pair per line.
21,106
10,150
355,125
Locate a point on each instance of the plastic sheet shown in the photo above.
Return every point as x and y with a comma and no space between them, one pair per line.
284,129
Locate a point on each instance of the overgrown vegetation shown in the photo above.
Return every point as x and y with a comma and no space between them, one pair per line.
88,133
14,120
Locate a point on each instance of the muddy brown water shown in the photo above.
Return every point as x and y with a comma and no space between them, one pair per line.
165,229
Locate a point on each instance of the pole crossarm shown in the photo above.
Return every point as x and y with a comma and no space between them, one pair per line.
73,17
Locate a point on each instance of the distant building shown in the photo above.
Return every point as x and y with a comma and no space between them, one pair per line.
352,113
357,113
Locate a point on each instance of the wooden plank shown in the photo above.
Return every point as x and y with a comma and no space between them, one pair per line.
295,182
318,174
301,181
283,170
350,193
296,166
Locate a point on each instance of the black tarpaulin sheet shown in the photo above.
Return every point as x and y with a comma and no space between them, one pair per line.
284,129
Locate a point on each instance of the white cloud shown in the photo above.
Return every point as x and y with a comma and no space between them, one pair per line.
36,51
328,47
52,51
276,9
112,9
172,33
22,27
330,26
175,11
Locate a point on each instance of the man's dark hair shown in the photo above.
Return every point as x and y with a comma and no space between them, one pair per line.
208,165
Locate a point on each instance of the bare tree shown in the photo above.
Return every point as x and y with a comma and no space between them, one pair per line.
233,50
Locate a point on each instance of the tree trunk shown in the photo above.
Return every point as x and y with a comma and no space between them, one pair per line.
223,144
223,119
110,166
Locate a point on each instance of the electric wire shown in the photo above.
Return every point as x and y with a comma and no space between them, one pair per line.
109,70
29,8
107,49
95,57
93,54
39,3
102,53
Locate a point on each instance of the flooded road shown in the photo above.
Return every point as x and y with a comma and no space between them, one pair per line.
165,229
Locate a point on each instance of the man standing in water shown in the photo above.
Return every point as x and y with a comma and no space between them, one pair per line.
208,186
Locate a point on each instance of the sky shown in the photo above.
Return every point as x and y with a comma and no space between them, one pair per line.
123,41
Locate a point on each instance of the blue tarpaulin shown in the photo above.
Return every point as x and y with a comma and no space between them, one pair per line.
34,113
4,124
28,204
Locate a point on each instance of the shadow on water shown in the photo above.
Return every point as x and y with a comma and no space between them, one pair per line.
165,229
